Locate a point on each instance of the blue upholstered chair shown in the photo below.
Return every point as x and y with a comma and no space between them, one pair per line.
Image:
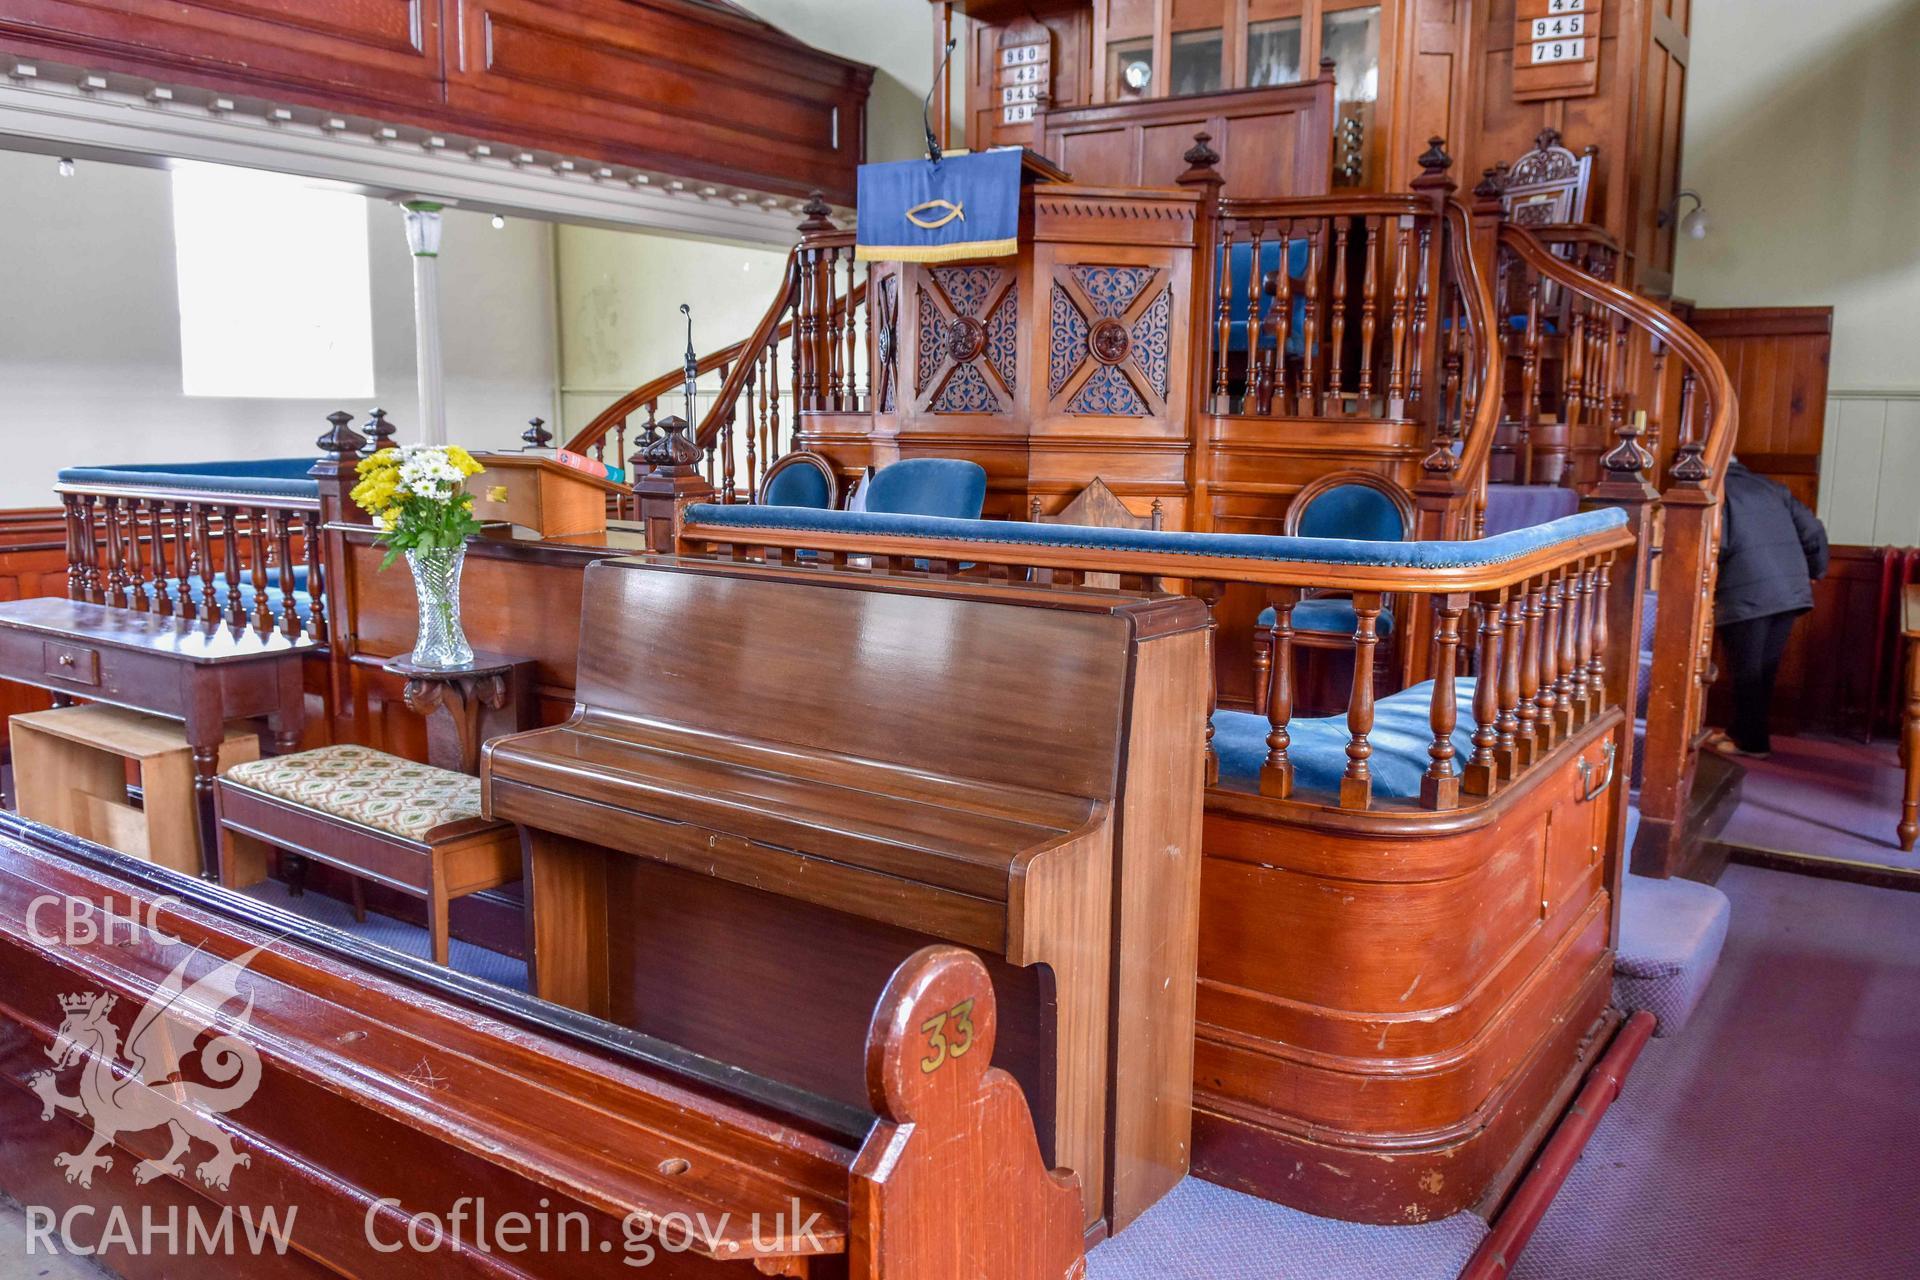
800,479
951,487
1238,309
1362,507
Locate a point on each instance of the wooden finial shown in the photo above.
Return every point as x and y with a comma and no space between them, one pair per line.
536,435
1547,139
1326,68
1493,183
1627,459
1202,162
1436,160
817,210
342,441
380,432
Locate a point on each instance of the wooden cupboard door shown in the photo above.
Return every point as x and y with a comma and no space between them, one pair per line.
1577,828
367,50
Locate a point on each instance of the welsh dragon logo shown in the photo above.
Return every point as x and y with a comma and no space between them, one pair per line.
149,1089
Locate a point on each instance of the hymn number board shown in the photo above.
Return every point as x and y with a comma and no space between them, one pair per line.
1026,69
1556,49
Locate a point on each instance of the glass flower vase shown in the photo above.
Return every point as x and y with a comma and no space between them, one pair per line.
442,643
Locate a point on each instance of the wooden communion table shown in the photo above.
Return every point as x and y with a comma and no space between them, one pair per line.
188,671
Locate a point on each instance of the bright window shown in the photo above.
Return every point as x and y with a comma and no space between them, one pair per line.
274,290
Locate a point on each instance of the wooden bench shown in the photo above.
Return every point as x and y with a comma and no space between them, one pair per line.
392,1093
409,826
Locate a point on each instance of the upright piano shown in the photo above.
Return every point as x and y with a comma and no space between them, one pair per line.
780,781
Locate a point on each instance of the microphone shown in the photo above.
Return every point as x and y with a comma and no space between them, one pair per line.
926,111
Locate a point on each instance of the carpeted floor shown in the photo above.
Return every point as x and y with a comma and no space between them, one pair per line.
395,935
1825,796
1778,1137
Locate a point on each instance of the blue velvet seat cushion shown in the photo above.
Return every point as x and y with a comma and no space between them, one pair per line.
260,477
798,485
1462,554
949,488
1357,511
1330,614
1238,309
1400,738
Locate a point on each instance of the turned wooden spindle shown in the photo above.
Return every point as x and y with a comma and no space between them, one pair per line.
1564,661
257,549
1507,720
1336,370
1223,318
1309,398
202,517
1417,374
169,565
1527,737
1440,787
136,568
316,577
1257,237
236,613
1210,593
116,567
1583,644
184,565
752,486
1602,634
282,530
1282,318
1482,774
1356,785
1397,343
1276,771
1547,698
1369,307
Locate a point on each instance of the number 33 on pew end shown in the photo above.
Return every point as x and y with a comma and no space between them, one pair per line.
955,1138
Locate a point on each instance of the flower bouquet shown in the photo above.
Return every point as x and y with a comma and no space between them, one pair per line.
417,496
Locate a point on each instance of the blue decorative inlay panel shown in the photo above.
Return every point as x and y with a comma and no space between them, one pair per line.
966,392
1066,341
1152,340
966,287
1003,338
930,345
1107,393
1112,290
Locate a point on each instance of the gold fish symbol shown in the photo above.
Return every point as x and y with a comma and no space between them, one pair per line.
925,224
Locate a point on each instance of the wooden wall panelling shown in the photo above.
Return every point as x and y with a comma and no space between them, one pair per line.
1070,63
1634,117
1778,359
1272,142
677,85
1432,71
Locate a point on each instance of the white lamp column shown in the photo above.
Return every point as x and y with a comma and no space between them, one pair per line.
423,238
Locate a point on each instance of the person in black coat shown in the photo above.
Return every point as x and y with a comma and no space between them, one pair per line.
1771,550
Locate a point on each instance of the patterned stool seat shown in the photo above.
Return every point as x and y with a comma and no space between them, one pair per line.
371,788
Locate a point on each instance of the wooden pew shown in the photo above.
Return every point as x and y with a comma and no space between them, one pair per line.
396,1117
1407,912
777,783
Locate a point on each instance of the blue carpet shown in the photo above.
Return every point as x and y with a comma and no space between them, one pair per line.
394,935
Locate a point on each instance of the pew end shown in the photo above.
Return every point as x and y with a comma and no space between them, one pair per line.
951,1182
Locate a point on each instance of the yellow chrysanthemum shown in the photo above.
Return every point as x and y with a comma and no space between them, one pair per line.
463,460
380,460
376,493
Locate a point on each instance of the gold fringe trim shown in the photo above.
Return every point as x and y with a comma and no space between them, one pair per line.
937,253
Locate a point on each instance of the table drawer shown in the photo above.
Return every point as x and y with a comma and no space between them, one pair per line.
72,662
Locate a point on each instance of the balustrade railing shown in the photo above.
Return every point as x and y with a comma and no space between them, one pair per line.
1620,356
219,558
1541,625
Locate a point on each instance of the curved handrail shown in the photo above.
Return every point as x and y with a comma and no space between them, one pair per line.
1484,324
1362,205
770,329
595,432
1722,401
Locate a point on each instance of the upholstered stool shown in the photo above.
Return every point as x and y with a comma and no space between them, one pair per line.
409,826
1671,933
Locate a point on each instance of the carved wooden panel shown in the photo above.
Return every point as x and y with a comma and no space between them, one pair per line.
966,339
1109,342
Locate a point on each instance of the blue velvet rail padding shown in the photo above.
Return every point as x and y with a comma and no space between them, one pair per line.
1481,553
919,211
257,477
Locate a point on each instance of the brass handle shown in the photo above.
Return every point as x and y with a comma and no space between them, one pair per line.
1610,754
